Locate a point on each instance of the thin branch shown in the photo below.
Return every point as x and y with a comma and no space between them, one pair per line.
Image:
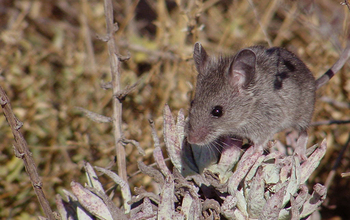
21,150
91,61
330,122
337,163
120,95
346,2
260,23
153,55
345,174
117,105
335,102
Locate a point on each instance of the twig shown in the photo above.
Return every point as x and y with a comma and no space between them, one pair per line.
335,102
120,95
346,2
91,61
345,174
330,122
337,163
260,23
117,105
290,17
152,54
21,151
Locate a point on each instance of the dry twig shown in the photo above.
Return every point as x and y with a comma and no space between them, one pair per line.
317,123
117,105
335,103
21,151
346,2
262,26
337,163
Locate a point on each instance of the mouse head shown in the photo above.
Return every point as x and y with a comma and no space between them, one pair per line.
222,96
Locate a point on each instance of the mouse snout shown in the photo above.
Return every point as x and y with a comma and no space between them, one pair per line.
197,136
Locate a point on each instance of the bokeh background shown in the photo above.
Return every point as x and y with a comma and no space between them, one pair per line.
52,61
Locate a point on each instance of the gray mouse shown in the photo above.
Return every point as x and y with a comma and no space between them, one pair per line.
253,94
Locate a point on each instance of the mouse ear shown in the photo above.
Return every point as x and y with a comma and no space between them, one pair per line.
200,57
242,69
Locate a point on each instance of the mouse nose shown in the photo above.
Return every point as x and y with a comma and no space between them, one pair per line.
197,136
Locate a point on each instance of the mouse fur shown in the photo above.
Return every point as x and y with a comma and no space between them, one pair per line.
253,94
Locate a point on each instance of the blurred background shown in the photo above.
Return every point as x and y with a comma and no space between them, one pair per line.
51,61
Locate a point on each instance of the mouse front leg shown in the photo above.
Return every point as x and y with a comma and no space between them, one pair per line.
300,149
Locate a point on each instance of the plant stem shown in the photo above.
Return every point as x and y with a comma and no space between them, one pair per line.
22,151
117,104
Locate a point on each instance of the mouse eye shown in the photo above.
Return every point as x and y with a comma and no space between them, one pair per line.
217,111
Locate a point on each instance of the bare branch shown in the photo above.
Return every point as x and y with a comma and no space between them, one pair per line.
346,2
345,174
317,123
91,61
335,102
120,95
21,150
117,105
337,163
263,29
152,54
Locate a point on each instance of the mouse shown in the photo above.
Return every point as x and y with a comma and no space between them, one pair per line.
253,94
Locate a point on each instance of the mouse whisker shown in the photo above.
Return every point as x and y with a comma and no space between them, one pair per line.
215,146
